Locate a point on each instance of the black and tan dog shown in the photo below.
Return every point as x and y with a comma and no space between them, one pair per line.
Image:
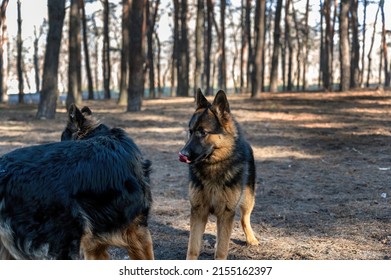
77,197
222,174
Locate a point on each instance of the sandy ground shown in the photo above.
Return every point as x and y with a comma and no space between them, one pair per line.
323,171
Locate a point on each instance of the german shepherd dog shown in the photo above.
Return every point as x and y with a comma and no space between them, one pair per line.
75,198
222,174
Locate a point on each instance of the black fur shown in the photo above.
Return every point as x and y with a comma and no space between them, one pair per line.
51,194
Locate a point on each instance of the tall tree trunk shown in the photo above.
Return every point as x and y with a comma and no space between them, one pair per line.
371,46
355,59
74,68
158,64
49,90
106,50
384,46
124,75
222,80
90,83
199,36
208,46
306,45
344,44
175,50
243,60
250,56
151,15
276,48
259,65
327,48
136,55
36,59
364,30
3,45
19,59
183,59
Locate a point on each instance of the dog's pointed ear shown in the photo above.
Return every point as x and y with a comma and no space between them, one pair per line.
201,101
220,103
86,111
75,115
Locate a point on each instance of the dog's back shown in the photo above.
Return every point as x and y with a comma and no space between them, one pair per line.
59,198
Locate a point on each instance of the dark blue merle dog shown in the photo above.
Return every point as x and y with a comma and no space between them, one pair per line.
77,197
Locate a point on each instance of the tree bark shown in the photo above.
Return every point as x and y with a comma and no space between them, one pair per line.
259,66
106,50
19,58
74,68
371,46
355,53
136,55
124,75
90,83
384,47
344,45
183,59
3,45
276,48
199,36
208,46
49,91
222,80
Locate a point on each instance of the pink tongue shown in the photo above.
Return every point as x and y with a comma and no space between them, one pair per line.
183,158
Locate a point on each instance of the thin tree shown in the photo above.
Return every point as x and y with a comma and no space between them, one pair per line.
305,45
259,66
364,30
355,52
199,36
90,83
151,16
371,46
208,46
49,90
183,59
384,47
37,36
106,50
74,65
344,44
124,75
136,55
276,48
19,58
222,77
3,60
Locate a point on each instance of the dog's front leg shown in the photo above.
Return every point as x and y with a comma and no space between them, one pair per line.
198,220
224,230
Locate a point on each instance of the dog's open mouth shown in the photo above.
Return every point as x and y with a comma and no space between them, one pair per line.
184,158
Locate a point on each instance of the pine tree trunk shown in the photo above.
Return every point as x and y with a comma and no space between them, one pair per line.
90,84
276,49
74,91
136,55
49,90
344,45
259,66
19,58
124,75
354,61
199,36
106,51
3,45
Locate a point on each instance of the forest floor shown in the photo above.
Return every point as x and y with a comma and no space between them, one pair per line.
323,165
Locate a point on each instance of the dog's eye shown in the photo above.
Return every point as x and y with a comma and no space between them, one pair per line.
201,133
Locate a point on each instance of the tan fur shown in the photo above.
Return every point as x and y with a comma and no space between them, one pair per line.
136,239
